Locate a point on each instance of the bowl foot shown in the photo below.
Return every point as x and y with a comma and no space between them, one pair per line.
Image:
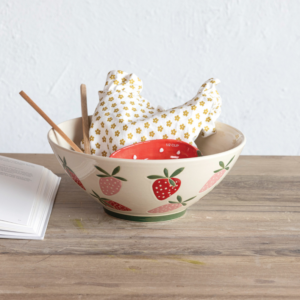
145,219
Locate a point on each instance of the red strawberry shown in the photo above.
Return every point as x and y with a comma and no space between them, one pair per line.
216,177
165,186
171,206
110,184
71,173
110,203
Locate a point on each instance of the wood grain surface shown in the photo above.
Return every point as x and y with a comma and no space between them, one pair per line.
241,241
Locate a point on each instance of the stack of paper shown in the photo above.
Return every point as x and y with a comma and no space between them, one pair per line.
27,193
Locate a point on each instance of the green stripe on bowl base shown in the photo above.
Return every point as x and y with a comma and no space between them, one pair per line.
145,219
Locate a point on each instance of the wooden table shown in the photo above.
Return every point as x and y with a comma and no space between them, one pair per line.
239,242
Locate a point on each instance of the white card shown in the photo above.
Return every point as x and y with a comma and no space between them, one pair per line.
19,182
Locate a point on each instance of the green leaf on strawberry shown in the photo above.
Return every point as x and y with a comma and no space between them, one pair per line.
110,184
116,170
172,182
71,173
177,172
217,176
165,186
172,205
218,170
101,170
179,200
120,178
223,166
199,153
110,203
166,172
155,177
230,161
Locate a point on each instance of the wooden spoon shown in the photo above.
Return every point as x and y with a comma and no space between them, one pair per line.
85,120
47,119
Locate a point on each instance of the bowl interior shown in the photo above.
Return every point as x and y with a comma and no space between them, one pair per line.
156,150
225,139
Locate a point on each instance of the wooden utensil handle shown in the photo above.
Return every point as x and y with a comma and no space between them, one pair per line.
85,120
52,124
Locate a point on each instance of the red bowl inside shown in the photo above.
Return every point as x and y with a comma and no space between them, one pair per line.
157,149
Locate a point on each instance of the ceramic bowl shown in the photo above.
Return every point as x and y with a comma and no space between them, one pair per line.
149,190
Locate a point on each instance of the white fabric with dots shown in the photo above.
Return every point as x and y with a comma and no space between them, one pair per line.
123,117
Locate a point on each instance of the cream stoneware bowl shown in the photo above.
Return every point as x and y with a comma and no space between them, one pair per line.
140,190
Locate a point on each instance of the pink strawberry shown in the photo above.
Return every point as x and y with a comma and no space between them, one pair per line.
110,184
165,186
216,177
110,203
71,173
171,206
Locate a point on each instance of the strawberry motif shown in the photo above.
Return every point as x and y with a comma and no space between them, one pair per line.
110,184
110,203
171,206
216,177
71,173
165,186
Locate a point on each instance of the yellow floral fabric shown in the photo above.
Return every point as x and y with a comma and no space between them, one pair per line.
123,117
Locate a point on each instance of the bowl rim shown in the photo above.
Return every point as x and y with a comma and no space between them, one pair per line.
146,162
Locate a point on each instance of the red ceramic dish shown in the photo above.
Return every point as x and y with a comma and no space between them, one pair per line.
158,149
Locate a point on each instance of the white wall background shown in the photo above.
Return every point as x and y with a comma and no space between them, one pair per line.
48,48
